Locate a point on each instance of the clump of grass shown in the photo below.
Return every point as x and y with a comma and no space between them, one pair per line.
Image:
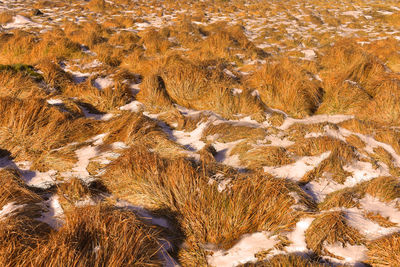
379,219
154,95
97,5
23,68
284,85
14,190
195,85
30,127
61,160
30,49
384,251
20,85
144,178
385,189
53,75
132,128
386,50
103,236
329,228
71,192
285,260
154,42
5,17
347,197
225,132
254,157
103,100
19,236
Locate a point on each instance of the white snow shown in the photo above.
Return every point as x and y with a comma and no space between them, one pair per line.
297,236
191,140
54,101
20,21
103,82
9,208
351,253
315,119
53,216
243,251
309,54
134,106
298,169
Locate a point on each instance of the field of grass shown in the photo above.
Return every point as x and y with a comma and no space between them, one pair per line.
200,133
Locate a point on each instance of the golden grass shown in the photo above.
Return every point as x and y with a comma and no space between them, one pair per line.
250,205
20,85
154,95
379,219
132,128
385,189
283,260
103,100
347,197
14,191
30,127
102,237
5,17
284,85
340,154
255,157
384,251
71,192
226,132
27,48
329,228
53,75
19,236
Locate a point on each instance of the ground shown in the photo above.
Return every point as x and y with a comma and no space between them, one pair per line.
199,133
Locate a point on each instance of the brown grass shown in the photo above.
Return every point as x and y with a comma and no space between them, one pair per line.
385,189
20,85
103,237
347,197
283,260
385,251
14,190
30,127
104,100
53,75
285,86
146,179
19,236
226,132
5,17
329,228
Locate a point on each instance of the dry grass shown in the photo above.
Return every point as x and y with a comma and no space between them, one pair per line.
285,261
329,228
284,85
385,251
19,84
27,48
385,189
258,156
347,197
104,236
30,127
53,75
14,191
225,133
144,178
5,17
19,236
99,100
